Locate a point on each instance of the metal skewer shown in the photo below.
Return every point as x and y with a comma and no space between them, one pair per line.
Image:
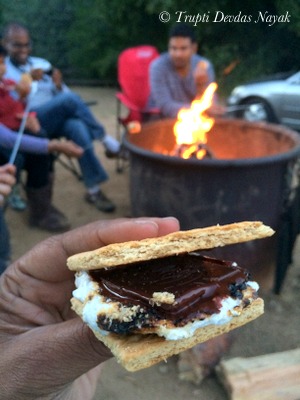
240,107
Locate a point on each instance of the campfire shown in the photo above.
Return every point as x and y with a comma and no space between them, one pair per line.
192,126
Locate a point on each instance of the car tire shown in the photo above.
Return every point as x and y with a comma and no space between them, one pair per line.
257,110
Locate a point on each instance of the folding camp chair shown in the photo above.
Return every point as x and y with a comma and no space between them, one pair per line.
133,78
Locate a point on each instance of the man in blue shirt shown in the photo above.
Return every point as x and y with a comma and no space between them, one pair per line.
178,76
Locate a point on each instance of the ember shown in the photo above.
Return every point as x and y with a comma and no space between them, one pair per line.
198,150
192,126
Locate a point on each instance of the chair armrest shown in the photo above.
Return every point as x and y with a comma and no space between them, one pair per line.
128,103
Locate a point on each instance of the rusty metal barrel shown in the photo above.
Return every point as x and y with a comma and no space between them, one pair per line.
253,175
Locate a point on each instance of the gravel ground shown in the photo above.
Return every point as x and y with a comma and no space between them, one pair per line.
277,330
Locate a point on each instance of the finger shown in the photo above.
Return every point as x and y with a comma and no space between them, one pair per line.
47,261
118,231
74,149
7,179
10,168
72,144
5,189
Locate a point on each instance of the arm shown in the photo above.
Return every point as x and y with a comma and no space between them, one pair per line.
161,93
49,82
203,75
29,143
50,351
167,91
57,81
33,144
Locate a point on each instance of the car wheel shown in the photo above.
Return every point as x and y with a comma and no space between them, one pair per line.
257,110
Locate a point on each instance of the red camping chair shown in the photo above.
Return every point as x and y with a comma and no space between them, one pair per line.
133,69
133,78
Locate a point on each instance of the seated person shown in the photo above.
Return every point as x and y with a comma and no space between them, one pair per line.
61,112
35,158
11,114
38,145
40,180
180,75
46,216
12,109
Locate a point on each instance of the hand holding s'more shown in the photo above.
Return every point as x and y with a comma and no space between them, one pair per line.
150,299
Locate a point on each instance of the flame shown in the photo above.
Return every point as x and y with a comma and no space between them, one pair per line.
192,124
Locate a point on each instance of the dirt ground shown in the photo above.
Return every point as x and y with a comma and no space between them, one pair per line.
277,330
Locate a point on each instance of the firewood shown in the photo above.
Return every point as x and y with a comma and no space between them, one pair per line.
199,362
268,377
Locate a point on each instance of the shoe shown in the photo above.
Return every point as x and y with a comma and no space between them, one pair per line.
111,145
42,214
122,154
100,201
60,216
111,154
53,221
15,200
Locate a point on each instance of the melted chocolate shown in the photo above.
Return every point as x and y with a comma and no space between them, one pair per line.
199,284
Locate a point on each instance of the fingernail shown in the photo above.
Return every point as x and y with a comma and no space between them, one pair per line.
145,222
170,218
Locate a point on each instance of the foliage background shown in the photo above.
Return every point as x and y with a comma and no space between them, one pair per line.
84,38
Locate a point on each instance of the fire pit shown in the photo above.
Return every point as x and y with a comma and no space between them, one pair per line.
250,177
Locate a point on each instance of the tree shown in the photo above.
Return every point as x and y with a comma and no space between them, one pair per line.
84,38
48,24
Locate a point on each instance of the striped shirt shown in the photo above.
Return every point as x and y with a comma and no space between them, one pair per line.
169,91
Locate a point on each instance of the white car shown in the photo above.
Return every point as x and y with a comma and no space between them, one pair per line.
275,100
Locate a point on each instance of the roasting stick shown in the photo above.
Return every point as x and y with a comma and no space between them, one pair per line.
229,109
240,107
14,152
13,155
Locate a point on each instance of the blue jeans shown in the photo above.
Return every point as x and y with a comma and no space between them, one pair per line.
93,172
4,243
53,114
68,116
